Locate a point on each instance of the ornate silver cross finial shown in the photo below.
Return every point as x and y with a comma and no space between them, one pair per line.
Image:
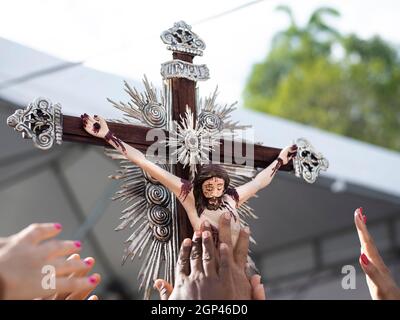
180,38
308,162
39,121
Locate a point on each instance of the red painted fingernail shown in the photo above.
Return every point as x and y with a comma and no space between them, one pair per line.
364,259
88,262
78,244
92,279
365,219
359,213
58,226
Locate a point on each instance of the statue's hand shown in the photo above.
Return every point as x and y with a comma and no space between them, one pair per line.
288,153
96,126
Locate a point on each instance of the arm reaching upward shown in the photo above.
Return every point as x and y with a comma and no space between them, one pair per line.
264,178
97,126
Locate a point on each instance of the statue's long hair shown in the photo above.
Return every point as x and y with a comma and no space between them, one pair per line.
206,172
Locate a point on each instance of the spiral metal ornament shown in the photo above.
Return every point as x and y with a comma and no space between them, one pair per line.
157,194
159,215
210,121
148,107
162,233
154,114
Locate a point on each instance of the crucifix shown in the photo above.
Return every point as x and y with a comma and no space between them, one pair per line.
195,130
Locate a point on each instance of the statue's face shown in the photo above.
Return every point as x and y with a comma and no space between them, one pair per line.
213,190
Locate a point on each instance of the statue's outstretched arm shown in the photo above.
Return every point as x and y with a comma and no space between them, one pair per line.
264,177
97,126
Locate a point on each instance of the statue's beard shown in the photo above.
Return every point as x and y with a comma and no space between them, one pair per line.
214,203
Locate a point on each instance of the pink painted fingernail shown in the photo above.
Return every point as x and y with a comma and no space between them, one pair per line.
365,219
88,262
58,226
364,259
78,244
92,279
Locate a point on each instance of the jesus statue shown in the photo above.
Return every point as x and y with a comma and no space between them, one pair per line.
210,194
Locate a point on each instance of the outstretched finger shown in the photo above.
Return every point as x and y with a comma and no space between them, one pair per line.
366,241
95,279
71,266
66,284
225,263
57,248
242,247
38,232
164,288
209,262
224,229
257,288
371,271
196,253
183,264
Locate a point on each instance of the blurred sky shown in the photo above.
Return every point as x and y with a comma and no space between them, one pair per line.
122,36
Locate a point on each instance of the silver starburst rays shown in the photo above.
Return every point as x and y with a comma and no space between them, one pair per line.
148,107
190,142
193,141
150,217
216,117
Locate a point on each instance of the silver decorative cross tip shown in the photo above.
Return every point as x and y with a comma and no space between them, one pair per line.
40,121
308,162
181,38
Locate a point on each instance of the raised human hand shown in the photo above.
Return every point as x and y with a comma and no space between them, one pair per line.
212,273
24,255
380,282
80,293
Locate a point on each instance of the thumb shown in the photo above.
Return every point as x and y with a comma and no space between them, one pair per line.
164,288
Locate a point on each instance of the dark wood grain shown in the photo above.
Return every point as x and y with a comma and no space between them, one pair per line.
183,94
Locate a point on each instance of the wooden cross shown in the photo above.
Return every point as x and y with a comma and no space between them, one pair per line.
183,95
44,123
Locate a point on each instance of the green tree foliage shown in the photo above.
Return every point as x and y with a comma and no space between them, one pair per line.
340,83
